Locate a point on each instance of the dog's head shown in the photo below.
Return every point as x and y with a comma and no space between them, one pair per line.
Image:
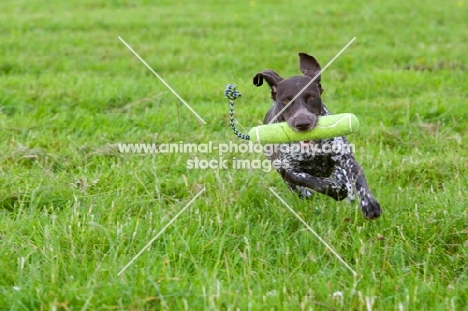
300,112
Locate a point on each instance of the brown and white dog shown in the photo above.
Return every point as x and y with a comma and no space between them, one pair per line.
332,171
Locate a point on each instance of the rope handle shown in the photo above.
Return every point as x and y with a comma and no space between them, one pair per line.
231,94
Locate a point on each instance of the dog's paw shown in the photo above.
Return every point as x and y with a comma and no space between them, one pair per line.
304,193
351,199
370,207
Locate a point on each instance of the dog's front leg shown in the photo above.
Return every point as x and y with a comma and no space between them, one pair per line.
337,191
369,206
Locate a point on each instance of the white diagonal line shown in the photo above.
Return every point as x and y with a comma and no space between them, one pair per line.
315,233
160,232
162,80
313,79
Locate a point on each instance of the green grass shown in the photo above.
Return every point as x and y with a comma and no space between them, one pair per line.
74,211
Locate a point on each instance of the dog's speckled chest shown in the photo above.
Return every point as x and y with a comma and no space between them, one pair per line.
317,158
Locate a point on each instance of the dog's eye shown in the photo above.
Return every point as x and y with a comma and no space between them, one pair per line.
311,98
285,101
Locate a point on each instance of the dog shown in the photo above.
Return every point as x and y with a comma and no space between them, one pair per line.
332,171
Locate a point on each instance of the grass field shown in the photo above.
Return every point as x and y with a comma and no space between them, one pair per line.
74,211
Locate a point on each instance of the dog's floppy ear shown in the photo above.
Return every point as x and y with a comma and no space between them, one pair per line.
271,77
310,67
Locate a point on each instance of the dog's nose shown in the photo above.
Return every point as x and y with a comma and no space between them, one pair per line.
302,125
